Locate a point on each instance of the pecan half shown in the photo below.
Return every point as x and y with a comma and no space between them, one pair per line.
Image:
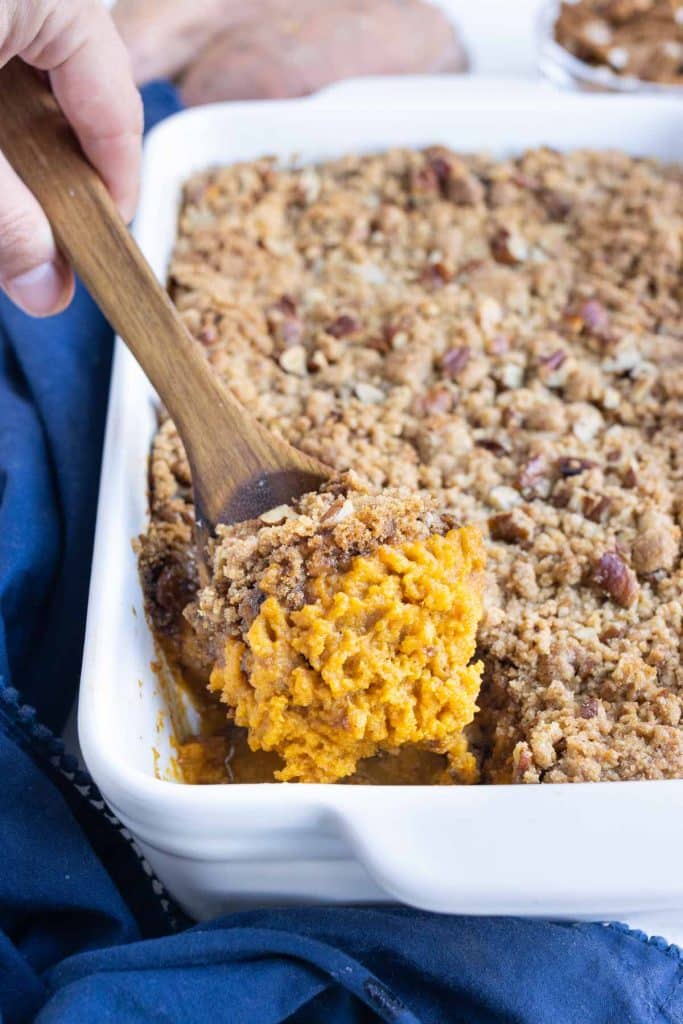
614,577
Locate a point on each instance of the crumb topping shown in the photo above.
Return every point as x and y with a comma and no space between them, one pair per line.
505,338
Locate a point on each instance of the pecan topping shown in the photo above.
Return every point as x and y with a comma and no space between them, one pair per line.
285,326
568,465
512,527
595,507
286,305
465,189
436,275
441,168
589,708
507,247
555,360
455,360
343,326
490,445
614,577
530,475
557,206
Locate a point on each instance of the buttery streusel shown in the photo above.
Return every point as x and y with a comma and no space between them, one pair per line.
505,335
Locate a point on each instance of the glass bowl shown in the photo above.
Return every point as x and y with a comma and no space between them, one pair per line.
563,68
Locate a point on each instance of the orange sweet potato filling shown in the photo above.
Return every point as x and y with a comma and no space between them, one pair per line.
381,657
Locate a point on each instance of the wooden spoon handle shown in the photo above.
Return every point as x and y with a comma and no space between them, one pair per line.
38,142
238,467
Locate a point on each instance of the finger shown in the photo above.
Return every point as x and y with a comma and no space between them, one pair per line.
163,36
32,272
91,77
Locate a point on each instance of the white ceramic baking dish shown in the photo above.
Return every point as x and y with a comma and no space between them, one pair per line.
602,850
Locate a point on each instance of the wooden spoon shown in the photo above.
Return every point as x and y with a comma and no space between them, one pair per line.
239,469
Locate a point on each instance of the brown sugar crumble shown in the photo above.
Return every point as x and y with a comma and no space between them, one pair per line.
639,38
503,340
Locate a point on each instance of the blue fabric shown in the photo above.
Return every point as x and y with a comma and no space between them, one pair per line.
85,934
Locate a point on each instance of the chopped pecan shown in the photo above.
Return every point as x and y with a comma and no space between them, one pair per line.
343,326
286,305
423,181
569,465
615,577
285,326
436,275
441,169
531,474
589,708
561,497
613,631
455,360
512,527
508,247
276,515
555,360
596,507
557,205
490,445
340,509
464,189
630,476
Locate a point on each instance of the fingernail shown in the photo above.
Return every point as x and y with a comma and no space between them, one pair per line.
40,291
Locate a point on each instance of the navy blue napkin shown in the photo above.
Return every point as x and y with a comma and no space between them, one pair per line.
86,935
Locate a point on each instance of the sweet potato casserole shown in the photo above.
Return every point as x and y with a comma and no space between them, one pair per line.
490,352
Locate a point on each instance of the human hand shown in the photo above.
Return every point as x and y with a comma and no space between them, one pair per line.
76,44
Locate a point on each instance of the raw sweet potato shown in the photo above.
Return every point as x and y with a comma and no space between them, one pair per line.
226,49
290,49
